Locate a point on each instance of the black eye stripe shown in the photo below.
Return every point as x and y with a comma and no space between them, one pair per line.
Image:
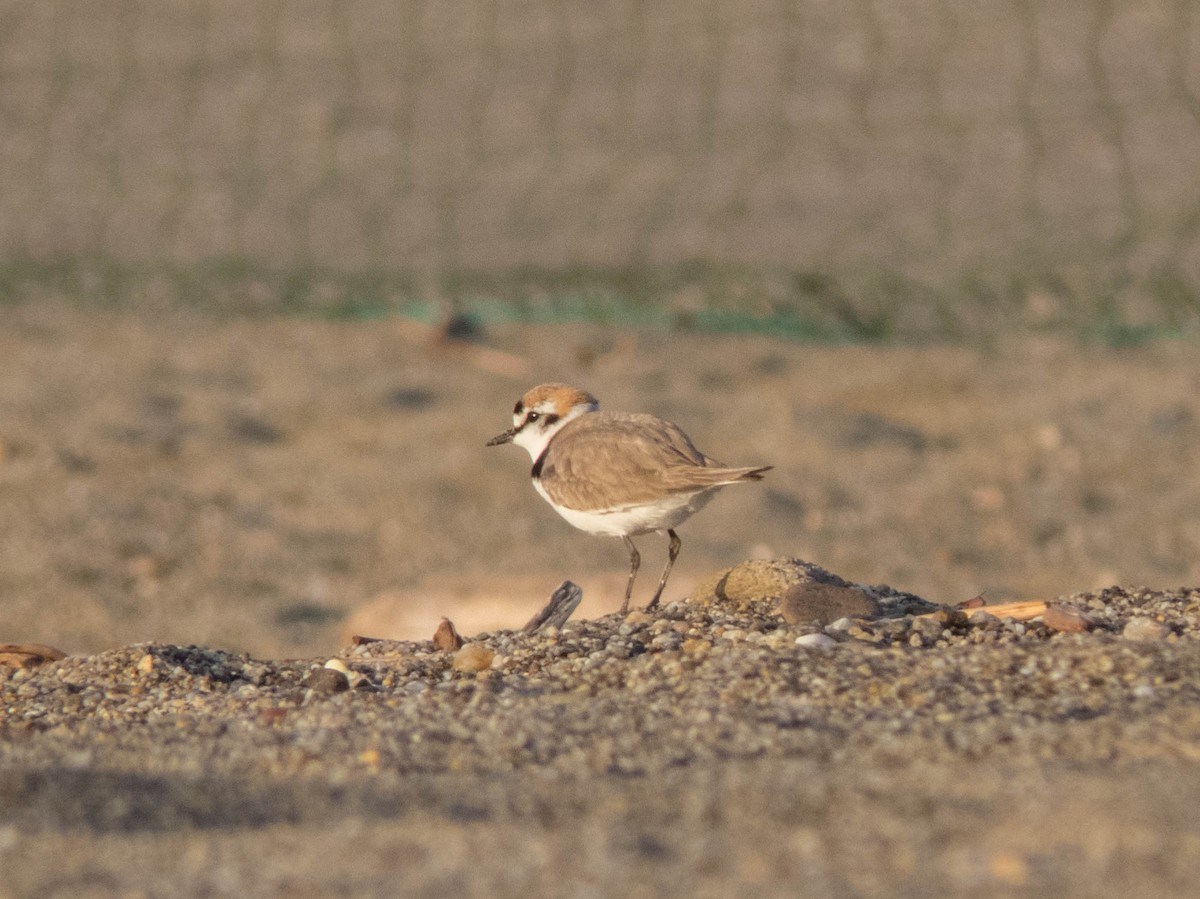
517,408
530,417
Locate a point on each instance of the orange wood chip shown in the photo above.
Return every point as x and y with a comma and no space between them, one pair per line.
1022,610
28,655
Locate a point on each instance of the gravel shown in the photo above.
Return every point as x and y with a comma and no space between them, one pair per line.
906,755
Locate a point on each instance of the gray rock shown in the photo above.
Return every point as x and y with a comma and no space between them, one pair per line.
326,680
757,580
824,603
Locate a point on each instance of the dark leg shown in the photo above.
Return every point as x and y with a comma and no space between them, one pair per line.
672,555
635,560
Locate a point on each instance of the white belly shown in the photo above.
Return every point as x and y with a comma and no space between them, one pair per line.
628,521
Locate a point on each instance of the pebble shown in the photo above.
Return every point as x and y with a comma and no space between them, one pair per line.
929,629
638,619
355,679
1145,629
695,682
326,680
667,641
473,657
840,626
1067,619
984,619
816,641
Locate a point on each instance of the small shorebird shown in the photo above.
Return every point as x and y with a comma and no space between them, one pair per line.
615,474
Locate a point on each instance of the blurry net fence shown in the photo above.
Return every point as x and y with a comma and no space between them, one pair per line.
1027,151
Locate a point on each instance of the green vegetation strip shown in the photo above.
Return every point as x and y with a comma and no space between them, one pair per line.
835,306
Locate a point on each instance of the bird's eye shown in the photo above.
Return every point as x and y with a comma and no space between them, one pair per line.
533,416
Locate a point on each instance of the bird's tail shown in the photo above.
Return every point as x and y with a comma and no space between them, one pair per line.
751,474
722,476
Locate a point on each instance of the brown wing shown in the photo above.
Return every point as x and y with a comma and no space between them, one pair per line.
606,460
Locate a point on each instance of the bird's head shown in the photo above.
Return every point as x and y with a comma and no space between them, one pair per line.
541,412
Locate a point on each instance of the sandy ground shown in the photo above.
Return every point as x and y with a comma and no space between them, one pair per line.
251,484
268,486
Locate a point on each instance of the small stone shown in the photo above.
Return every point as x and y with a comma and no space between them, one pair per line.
446,637
892,627
666,641
472,657
145,664
1067,619
353,678
326,680
823,603
981,619
948,617
928,629
637,619
1145,629
816,641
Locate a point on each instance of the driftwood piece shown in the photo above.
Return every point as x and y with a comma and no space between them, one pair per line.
1023,610
562,605
1062,617
28,655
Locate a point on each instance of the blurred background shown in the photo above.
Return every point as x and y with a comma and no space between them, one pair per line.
897,166
270,273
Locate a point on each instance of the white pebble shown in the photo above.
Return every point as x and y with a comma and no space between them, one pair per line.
816,641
